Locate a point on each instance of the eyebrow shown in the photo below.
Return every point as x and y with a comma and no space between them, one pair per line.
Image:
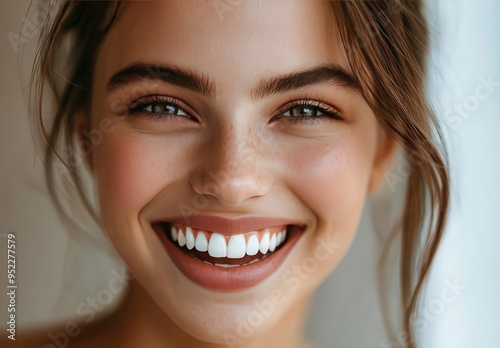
200,83
332,74
169,74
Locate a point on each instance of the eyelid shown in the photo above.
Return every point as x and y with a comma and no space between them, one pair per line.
318,103
137,104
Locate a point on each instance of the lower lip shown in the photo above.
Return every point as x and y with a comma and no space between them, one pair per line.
228,279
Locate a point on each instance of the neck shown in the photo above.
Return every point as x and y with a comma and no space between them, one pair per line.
140,322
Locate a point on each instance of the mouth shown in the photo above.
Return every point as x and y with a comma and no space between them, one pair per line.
224,260
226,251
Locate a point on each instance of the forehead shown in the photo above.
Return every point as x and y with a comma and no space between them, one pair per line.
247,39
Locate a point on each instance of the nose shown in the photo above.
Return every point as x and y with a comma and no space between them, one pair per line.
231,169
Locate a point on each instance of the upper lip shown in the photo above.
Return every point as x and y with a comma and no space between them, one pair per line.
214,223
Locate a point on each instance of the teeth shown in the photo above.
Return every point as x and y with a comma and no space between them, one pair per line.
272,242
253,261
181,239
236,247
217,246
174,234
253,245
189,238
229,266
223,265
201,242
264,243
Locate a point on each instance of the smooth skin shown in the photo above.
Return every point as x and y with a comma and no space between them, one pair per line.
318,172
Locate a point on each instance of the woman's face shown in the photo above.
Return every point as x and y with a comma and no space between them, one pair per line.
233,121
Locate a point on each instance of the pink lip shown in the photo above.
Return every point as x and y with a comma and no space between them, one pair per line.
227,226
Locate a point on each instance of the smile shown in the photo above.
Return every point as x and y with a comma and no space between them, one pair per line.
227,255
210,245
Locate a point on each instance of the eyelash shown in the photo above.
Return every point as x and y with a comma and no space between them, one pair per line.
317,104
139,105
326,111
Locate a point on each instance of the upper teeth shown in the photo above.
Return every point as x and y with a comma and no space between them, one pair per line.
235,247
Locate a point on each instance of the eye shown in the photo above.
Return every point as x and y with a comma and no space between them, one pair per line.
164,108
303,111
158,107
306,110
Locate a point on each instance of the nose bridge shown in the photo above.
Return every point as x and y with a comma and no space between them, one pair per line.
232,170
233,150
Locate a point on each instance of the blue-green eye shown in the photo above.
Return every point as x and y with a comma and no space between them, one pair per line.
308,111
303,111
164,108
158,107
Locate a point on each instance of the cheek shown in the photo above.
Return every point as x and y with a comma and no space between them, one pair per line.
332,184
131,169
121,167
332,179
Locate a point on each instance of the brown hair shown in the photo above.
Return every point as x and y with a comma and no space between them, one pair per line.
386,44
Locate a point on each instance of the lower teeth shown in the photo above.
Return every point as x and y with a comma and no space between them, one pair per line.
226,266
223,265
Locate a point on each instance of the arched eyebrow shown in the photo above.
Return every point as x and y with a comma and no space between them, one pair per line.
199,83
168,74
332,74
